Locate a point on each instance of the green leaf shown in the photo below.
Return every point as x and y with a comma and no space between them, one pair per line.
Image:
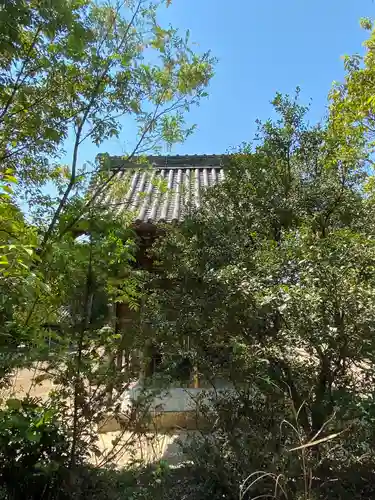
52,133
134,106
33,437
14,403
10,178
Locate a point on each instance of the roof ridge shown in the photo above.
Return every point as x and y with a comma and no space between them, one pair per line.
171,161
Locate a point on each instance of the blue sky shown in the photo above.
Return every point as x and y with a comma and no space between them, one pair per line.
263,46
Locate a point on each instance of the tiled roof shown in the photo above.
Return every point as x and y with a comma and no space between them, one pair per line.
163,192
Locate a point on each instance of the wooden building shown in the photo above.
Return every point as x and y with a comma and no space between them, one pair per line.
163,191
158,193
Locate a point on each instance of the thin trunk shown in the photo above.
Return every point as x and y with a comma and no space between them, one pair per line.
78,383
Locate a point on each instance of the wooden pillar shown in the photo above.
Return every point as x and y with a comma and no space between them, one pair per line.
125,319
195,377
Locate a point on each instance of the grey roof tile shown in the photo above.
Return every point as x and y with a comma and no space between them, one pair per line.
184,177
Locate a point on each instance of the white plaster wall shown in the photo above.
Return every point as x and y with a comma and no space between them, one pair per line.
177,399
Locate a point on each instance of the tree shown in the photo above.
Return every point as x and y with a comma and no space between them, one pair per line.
276,266
351,101
17,244
74,70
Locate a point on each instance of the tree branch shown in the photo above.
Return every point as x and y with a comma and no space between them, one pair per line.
17,83
79,132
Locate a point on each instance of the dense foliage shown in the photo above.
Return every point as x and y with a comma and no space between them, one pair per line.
33,447
75,73
272,281
269,286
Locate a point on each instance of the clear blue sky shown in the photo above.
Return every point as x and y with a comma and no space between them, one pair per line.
263,46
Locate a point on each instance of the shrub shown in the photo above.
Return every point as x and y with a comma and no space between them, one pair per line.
34,447
258,436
